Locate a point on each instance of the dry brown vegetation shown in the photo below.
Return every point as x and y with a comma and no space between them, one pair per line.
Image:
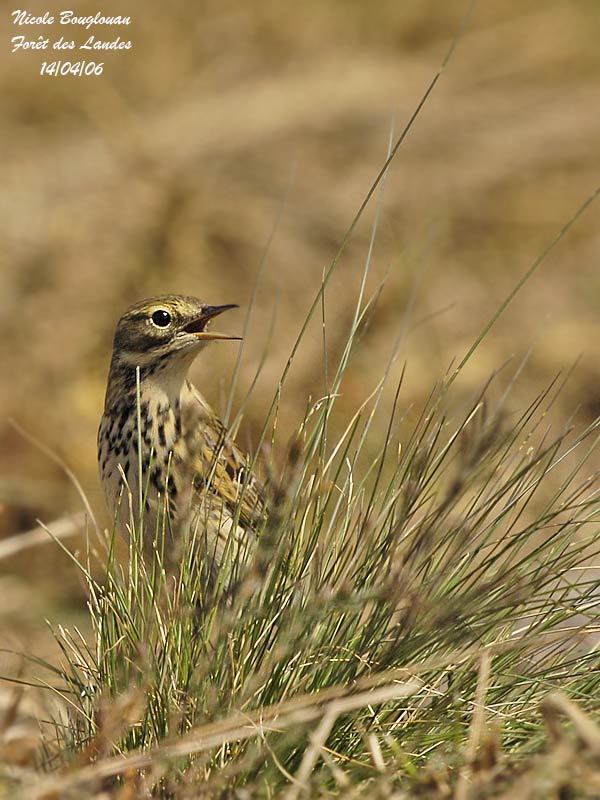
234,129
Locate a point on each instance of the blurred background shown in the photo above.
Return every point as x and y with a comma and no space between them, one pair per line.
234,135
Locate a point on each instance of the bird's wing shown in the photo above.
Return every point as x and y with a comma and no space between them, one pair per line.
220,467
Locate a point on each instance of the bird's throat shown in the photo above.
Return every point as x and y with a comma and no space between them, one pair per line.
161,380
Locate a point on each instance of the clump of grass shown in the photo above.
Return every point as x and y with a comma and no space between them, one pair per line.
396,625
348,645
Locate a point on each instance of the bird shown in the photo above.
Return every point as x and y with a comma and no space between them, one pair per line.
195,481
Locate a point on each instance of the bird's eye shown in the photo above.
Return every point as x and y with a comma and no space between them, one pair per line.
161,318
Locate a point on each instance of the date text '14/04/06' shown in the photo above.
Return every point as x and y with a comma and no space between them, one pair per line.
71,68
91,43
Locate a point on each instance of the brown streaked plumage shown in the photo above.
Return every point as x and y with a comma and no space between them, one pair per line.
196,476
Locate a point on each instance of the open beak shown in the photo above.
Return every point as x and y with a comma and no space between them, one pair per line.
198,325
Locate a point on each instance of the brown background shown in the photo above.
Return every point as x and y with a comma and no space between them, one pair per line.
169,173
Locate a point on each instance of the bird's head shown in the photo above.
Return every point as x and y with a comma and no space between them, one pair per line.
165,334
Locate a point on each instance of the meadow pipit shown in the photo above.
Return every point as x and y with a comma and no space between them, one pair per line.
194,480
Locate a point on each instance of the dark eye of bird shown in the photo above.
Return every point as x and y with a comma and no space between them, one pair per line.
161,318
